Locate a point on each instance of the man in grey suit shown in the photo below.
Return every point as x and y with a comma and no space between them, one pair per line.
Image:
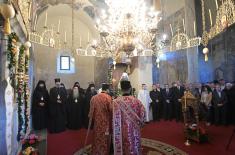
219,99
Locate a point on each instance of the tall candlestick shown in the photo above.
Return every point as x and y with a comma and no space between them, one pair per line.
183,25
210,17
216,4
58,26
35,23
88,37
45,25
80,41
65,39
171,30
194,28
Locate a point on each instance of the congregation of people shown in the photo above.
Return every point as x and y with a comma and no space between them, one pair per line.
215,100
117,120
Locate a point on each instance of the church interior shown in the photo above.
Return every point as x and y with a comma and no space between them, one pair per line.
57,55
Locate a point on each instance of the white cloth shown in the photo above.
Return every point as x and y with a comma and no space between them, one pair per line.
145,99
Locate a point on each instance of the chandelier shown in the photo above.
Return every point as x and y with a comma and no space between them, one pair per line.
126,27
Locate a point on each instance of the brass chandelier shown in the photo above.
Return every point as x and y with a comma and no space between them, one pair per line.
127,28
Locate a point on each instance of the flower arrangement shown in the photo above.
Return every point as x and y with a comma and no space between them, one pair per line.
197,133
31,140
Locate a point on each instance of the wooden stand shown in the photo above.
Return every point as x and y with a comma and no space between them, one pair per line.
190,108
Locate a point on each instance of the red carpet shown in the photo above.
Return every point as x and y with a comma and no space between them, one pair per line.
69,142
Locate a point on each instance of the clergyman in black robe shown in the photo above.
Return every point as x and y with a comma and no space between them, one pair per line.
57,109
40,103
74,109
90,92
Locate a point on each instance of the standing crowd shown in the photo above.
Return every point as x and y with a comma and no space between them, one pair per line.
216,101
117,120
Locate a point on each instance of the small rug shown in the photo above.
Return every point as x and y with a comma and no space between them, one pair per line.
149,146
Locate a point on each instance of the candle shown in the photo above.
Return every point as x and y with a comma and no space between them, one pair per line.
35,22
45,20
216,3
183,25
171,30
194,27
58,26
185,97
65,40
80,41
88,37
29,11
210,17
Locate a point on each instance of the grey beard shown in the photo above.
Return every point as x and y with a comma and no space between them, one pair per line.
75,94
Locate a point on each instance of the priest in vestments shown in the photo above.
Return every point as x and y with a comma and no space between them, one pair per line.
40,106
144,97
101,114
57,108
128,118
74,109
90,92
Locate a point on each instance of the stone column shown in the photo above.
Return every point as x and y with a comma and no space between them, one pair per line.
192,53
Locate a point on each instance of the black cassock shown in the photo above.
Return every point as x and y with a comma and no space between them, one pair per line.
74,112
57,110
40,102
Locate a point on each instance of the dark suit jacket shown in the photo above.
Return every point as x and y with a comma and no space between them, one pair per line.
219,100
167,96
156,95
177,93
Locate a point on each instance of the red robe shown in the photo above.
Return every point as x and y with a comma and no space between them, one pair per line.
128,117
101,113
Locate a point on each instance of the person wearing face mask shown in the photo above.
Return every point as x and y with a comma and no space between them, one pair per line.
74,109
57,109
144,97
219,99
90,92
40,103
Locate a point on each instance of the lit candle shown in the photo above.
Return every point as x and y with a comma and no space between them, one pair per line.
171,30
216,3
45,20
80,41
58,26
194,27
65,39
210,17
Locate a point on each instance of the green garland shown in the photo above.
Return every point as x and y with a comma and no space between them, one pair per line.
26,94
20,91
11,57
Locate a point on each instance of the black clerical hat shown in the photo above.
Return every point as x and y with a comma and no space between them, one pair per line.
105,86
125,85
57,80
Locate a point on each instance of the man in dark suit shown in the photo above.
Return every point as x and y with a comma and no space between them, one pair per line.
178,93
156,104
219,99
167,102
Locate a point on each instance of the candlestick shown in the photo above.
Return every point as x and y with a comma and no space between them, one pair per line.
65,39
45,25
194,27
58,30
183,25
210,17
171,30
80,41
35,23
216,3
88,37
